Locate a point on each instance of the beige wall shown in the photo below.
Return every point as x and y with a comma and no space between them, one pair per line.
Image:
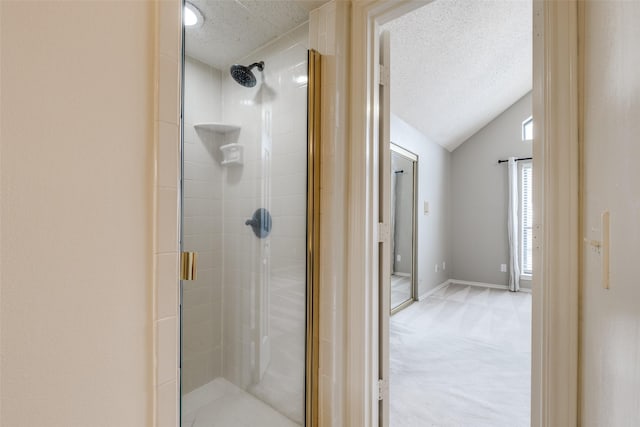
610,338
76,169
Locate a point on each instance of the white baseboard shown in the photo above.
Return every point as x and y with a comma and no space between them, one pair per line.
486,285
467,283
480,284
434,290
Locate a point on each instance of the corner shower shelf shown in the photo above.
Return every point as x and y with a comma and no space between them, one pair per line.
232,154
217,127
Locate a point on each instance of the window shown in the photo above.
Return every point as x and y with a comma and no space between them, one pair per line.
526,219
527,129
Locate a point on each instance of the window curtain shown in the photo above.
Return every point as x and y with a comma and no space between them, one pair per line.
513,227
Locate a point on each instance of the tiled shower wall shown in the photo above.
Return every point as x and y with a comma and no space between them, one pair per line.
244,317
202,227
264,279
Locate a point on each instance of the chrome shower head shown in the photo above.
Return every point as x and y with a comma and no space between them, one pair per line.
244,75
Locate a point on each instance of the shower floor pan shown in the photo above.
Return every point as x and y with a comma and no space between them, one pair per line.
220,403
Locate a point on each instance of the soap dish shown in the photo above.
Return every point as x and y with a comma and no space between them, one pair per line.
232,154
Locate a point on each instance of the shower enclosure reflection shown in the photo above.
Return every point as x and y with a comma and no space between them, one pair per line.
244,193
403,230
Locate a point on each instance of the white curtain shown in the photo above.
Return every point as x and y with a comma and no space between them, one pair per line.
513,227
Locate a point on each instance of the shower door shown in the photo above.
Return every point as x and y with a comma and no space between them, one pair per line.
244,346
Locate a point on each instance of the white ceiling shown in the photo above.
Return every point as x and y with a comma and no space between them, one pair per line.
457,64
234,28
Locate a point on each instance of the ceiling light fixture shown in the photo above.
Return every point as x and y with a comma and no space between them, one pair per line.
192,16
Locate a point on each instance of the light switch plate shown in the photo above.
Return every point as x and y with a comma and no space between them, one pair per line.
606,236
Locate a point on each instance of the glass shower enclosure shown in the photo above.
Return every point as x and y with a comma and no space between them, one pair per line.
245,213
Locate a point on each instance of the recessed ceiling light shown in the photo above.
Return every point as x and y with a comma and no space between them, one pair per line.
192,16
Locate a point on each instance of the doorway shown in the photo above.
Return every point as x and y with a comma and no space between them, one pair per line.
554,100
462,353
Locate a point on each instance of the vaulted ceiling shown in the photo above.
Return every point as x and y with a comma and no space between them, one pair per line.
457,64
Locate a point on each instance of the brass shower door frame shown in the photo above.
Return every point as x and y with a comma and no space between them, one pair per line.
313,238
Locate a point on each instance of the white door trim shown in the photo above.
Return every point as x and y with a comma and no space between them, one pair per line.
556,227
362,277
555,289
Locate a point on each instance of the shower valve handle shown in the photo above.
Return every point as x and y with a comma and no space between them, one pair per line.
260,223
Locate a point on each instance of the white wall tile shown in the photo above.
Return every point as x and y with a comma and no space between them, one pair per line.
167,334
169,37
167,231
202,226
168,90
167,285
201,92
167,407
168,155
197,370
196,336
313,24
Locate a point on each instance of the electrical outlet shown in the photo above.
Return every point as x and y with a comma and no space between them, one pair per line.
426,208
398,257
437,268
503,268
444,266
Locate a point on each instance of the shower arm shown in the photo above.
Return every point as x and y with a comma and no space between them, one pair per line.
260,65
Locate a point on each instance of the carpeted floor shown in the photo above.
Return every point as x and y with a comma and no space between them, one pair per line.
461,358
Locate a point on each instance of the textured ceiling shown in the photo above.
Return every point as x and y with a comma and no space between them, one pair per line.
457,64
234,28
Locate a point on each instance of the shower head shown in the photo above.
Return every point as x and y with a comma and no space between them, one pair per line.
244,75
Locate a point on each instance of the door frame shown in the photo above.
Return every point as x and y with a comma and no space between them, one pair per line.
555,325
